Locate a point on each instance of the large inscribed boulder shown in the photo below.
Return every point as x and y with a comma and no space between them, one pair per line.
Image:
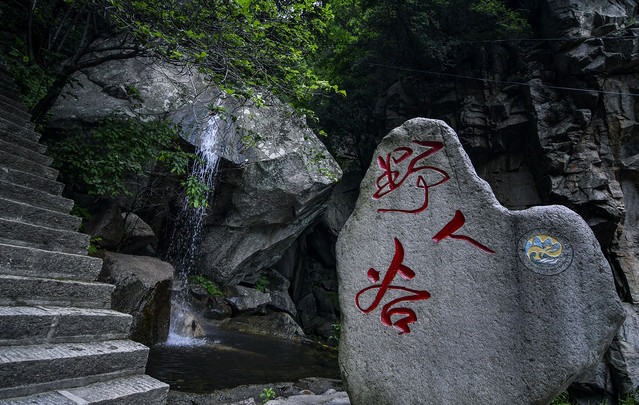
448,297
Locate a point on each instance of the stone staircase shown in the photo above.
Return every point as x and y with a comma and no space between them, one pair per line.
60,343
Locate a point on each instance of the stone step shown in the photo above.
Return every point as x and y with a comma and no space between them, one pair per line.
42,237
26,130
28,370
10,160
10,92
16,118
18,139
25,153
14,106
32,181
33,262
135,390
34,196
34,325
17,211
15,102
19,290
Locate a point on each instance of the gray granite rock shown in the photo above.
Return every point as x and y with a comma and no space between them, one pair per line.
490,305
624,353
279,180
244,299
142,289
278,324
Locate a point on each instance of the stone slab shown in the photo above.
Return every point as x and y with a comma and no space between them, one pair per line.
16,290
26,165
17,211
42,185
33,262
489,306
12,187
33,325
44,237
27,370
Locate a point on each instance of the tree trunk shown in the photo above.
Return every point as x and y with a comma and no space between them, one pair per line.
39,112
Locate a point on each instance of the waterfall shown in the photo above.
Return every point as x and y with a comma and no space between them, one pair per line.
186,237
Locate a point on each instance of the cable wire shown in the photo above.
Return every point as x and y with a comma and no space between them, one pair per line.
504,81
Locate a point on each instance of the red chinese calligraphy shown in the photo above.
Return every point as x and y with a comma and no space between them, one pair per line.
390,180
454,225
406,273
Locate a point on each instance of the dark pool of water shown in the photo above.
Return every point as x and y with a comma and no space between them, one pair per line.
228,359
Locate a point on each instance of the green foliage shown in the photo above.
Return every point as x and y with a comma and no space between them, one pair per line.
562,399
267,395
93,246
31,79
120,148
206,283
240,45
197,192
337,328
261,284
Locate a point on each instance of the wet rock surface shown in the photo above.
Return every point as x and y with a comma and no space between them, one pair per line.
251,393
472,274
142,289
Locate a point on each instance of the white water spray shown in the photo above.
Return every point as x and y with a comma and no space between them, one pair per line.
182,251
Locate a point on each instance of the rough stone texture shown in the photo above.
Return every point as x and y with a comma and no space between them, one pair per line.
252,392
273,158
102,90
185,324
541,145
497,328
244,299
278,324
330,397
142,289
106,226
269,156
624,353
583,18
139,238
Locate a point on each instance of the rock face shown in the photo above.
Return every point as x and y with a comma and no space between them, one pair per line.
277,183
493,306
275,176
565,134
142,289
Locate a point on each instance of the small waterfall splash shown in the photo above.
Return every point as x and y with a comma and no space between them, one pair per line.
187,235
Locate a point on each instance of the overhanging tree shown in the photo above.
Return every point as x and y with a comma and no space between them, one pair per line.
242,46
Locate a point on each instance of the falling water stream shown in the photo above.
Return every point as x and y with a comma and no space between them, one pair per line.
181,253
223,359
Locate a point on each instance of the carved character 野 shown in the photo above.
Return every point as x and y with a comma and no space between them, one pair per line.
390,180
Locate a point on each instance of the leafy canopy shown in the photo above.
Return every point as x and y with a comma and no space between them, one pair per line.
240,44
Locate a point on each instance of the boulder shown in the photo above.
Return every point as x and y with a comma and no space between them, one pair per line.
278,324
277,182
245,299
139,237
584,18
143,289
184,324
490,305
106,226
624,354
217,308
